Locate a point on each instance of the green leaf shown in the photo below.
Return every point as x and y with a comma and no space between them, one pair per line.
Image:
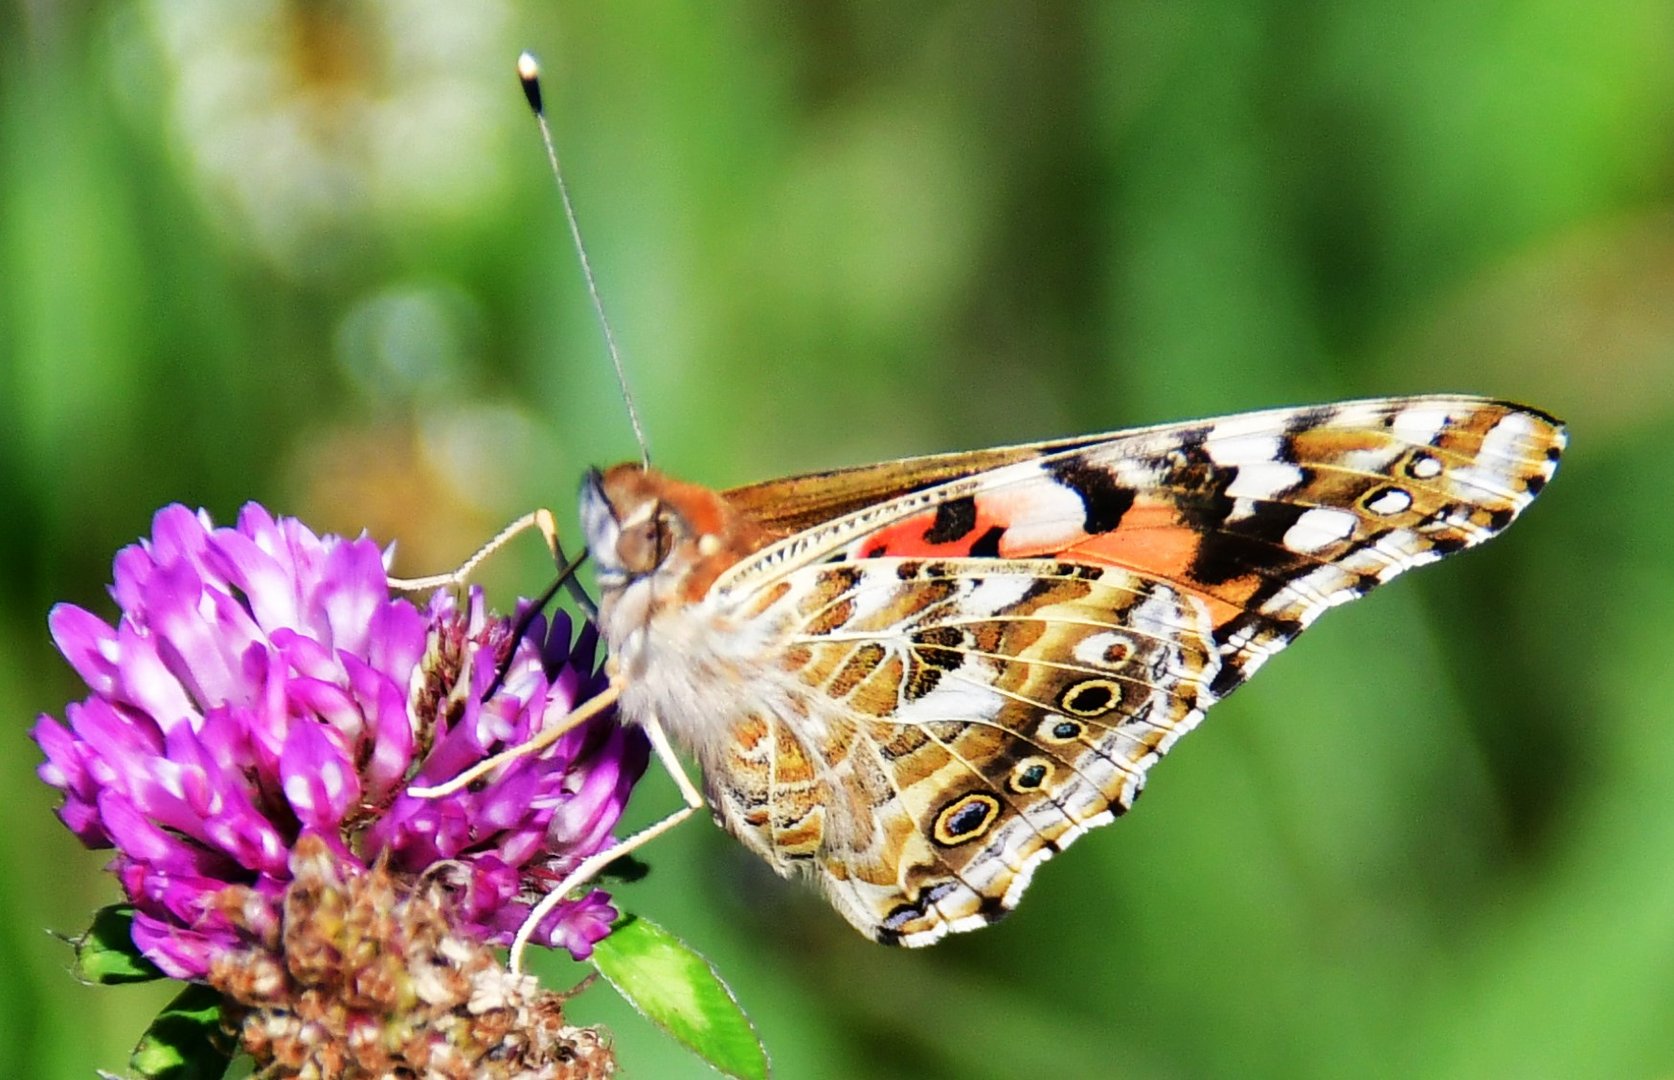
185,1042
106,953
678,990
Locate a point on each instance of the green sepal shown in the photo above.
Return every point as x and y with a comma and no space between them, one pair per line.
678,990
106,954
185,1042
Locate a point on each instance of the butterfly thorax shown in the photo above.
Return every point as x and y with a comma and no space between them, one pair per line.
659,545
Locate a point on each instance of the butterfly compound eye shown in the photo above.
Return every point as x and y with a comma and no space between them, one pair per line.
662,537
644,546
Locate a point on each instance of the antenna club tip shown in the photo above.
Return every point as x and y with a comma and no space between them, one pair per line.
529,74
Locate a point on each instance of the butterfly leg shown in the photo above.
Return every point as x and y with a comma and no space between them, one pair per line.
543,739
538,519
599,860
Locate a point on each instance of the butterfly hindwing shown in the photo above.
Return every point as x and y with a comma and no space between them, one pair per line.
941,621
956,722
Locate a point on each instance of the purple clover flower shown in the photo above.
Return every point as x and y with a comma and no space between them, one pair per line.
261,686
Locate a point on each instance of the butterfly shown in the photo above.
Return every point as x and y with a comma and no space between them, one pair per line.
913,682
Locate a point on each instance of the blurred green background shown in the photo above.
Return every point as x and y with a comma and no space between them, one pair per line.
309,254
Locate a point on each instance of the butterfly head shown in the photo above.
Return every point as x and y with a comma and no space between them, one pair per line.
657,541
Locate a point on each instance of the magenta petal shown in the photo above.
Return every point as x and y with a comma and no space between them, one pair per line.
180,953
505,804
306,656
578,924
452,830
133,568
146,683
397,641
213,805
521,845
189,643
186,896
88,643
354,587
328,703
138,837
268,589
65,767
179,536
385,705
317,778
491,886
256,522
119,743
81,817
588,815
268,718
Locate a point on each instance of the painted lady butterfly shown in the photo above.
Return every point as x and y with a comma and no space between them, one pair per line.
916,681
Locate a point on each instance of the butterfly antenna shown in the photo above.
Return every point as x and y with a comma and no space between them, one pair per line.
529,74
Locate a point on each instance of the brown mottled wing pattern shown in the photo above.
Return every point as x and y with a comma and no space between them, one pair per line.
971,674
950,724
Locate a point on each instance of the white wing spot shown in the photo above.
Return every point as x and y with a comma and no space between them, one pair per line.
1264,480
1424,467
1240,449
1390,501
1319,528
996,593
1420,424
1042,515
952,697
1103,650
1505,439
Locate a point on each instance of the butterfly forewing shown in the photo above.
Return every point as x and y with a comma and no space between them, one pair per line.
1268,517
944,670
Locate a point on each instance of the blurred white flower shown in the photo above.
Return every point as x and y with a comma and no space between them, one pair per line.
311,127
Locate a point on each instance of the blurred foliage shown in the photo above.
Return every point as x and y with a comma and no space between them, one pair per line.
308,253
